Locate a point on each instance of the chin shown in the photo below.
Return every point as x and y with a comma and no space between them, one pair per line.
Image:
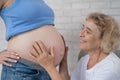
82,47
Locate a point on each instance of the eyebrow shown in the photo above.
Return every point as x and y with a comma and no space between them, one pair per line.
87,28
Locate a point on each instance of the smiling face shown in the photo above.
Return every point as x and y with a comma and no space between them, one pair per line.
89,36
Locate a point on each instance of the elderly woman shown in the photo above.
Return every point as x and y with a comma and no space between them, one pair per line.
99,36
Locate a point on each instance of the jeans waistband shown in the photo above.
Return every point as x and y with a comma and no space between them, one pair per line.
20,70
23,63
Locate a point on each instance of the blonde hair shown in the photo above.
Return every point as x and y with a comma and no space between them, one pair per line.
110,33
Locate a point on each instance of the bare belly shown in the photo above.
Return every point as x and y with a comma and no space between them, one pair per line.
47,34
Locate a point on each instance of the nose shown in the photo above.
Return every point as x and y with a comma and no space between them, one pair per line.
82,33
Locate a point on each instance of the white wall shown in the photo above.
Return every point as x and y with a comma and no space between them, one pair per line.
71,13
69,16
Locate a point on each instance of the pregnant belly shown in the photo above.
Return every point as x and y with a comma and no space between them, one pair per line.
22,43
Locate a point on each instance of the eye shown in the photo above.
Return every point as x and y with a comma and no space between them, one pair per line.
88,31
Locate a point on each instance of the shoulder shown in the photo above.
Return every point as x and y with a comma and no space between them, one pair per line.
79,70
114,59
82,63
84,58
111,62
110,68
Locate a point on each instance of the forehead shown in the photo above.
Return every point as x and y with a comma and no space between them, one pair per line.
89,24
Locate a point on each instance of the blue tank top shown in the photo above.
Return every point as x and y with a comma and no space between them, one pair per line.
25,15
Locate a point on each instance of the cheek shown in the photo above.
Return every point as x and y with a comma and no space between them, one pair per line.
94,43
91,43
86,45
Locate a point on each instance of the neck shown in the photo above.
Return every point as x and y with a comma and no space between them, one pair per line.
95,57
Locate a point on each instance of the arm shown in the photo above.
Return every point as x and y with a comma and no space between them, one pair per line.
54,74
45,59
7,56
63,69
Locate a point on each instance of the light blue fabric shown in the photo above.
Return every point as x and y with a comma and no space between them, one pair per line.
25,15
20,71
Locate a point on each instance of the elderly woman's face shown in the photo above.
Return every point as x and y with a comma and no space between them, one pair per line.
89,36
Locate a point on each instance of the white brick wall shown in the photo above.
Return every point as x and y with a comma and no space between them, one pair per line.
69,16
71,13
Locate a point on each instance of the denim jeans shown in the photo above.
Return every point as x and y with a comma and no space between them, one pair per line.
20,71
